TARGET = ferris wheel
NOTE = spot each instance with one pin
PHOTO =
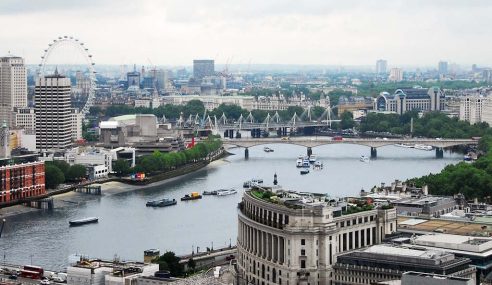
(84, 51)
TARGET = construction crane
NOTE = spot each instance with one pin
(1, 228)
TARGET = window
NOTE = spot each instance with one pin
(303, 252)
(303, 264)
(303, 242)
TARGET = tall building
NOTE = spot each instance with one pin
(202, 68)
(287, 237)
(381, 66)
(396, 75)
(472, 107)
(443, 67)
(13, 87)
(52, 108)
(76, 124)
(25, 118)
(133, 77)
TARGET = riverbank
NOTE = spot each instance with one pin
(113, 186)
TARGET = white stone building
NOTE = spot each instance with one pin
(294, 238)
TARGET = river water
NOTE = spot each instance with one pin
(127, 227)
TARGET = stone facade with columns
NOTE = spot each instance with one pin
(292, 238)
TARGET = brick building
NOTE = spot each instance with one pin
(19, 181)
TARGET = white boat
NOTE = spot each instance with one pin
(318, 165)
(423, 147)
(299, 162)
(267, 149)
(225, 192)
(404, 145)
(364, 158)
(305, 163)
(312, 158)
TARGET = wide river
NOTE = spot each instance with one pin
(127, 227)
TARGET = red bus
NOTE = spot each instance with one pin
(31, 271)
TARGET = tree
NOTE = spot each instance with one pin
(53, 176)
(61, 165)
(194, 107)
(169, 261)
(121, 167)
(347, 121)
(191, 264)
(76, 172)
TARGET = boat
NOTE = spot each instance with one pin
(192, 196)
(467, 157)
(83, 221)
(161, 203)
(214, 192)
(305, 163)
(225, 192)
(318, 165)
(252, 182)
(257, 180)
(299, 161)
(423, 147)
(364, 158)
(267, 149)
(304, 171)
(404, 145)
(312, 158)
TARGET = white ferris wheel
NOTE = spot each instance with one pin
(84, 52)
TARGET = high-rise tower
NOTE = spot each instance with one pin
(13, 87)
(53, 114)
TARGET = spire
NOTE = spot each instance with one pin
(56, 71)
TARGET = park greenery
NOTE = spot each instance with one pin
(473, 180)
(58, 172)
(431, 125)
(158, 162)
(170, 262)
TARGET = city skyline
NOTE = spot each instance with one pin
(419, 33)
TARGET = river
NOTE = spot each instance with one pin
(127, 227)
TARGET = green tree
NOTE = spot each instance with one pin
(121, 167)
(169, 261)
(76, 172)
(347, 121)
(53, 176)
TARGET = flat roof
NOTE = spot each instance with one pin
(403, 251)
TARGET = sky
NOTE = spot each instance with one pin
(321, 32)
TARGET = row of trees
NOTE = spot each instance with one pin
(58, 172)
(159, 162)
(432, 124)
(472, 180)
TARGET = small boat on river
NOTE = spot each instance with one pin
(80, 222)
(364, 158)
(226, 192)
(304, 171)
(161, 203)
(213, 192)
(267, 149)
(192, 196)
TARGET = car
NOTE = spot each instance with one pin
(13, 276)
(45, 281)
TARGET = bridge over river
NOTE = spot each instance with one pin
(373, 143)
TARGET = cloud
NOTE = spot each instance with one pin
(172, 32)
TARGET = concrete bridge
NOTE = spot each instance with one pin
(373, 143)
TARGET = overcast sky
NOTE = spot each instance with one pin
(327, 32)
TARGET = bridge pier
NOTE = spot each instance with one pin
(309, 151)
(246, 153)
(374, 153)
(238, 134)
(439, 152)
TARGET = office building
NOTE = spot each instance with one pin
(53, 116)
(396, 75)
(443, 67)
(22, 180)
(203, 68)
(381, 66)
(287, 237)
(386, 262)
(419, 278)
(408, 99)
(76, 124)
(13, 87)
(133, 78)
(472, 107)
(25, 118)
